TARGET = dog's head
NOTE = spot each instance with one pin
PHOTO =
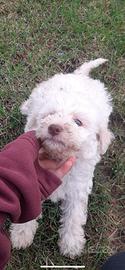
(68, 111)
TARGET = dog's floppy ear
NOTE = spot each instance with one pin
(105, 136)
(31, 124)
(31, 119)
(25, 107)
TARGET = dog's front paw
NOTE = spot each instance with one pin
(71, 245)
(22, 234)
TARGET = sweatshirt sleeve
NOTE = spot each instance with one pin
(23, 184)
(5, 245)
(18, 179)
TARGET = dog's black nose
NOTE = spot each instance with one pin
(54, 129)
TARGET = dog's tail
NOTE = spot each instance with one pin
(86, 68)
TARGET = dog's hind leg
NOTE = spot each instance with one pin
(22, 234)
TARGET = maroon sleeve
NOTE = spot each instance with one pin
(5, 245)
(19, 188)
(23, 184)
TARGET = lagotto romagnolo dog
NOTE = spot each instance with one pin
(70, 113)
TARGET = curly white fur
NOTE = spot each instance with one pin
(64, 100)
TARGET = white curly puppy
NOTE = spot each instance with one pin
(70, 113)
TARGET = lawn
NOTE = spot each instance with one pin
(38, 39)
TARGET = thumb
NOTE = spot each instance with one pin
(65, 167)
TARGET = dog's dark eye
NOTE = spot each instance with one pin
(78, 122)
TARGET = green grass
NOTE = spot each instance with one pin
(38, 39)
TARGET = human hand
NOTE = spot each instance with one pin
(59, 169)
